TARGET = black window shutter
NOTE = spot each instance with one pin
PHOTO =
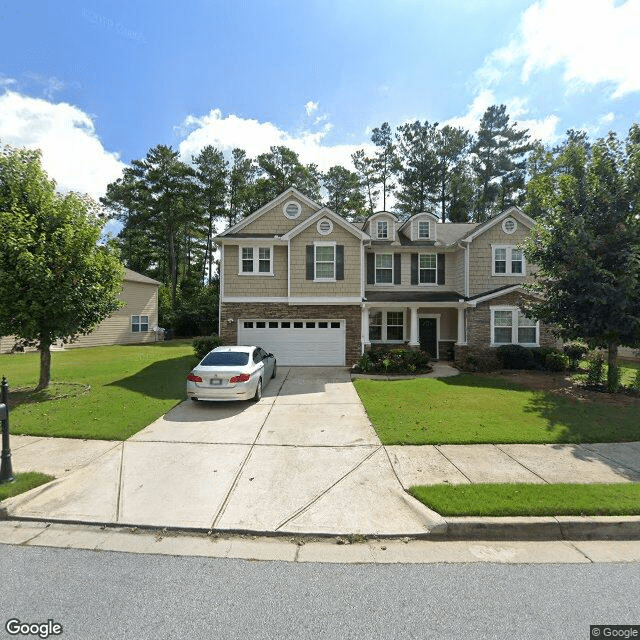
(310, 258)
(340, 262)
(441, 257)
(397, 266)
(414, 268)
(371, 268)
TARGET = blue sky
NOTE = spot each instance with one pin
(96, 84)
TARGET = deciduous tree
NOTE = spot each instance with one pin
(587, 242)
(56, 281)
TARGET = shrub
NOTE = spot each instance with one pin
(202, 346)
(595, 370)
(539, 355)
(514, 356)
(575, 352)
(555, 361)
(635, 385)
(394, 361)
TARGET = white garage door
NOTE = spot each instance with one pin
(297, 342)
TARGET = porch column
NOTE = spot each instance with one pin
(413, 330)
(462, 338)
(365, 327)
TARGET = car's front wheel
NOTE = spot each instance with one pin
(273, 375)
(258, 390)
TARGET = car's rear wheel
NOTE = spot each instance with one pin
(258, 390)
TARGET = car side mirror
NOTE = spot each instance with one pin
(270, 355)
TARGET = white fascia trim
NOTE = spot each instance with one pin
(322, 213)
(495, 294)
(277, 200)
(256, 299)
(288, 269)
(326, 300)
(418, 305)
(293, 301)
(511, 211)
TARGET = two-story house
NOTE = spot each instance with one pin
(315, 289)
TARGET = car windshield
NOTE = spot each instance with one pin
(225, 359)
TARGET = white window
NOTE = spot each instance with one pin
(386, 326)
(256, 261)
(325, 262)
(383, 229)
(507, 261)
(139, 324)
(428, 268)
(510, 326)
(384, 268)
(375, 326)
(423, 229)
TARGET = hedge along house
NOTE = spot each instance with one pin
(315, 289)
(136, 322)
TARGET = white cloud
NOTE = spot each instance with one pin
(595, 41)
(471, 120)
(255, 137)
(310, 107)
(544, 129)
(72, 153)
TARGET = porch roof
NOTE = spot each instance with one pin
(412, 296)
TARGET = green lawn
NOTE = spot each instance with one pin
(469, 409)
(105, 393)
(24, 482)
(531, 499)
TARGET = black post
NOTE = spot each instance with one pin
(6, 472)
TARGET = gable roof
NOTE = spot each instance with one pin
(485, 226)
(291, 191)
(134, 276)
(325, 212)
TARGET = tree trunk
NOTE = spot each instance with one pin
(45, 366)
(611, 366)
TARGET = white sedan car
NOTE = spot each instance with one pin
(231, 373)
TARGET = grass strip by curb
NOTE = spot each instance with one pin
(621, 499)
(24, 482)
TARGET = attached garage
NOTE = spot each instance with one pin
(302, 342)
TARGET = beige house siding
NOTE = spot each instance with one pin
(480, 259)
(350, 286)
(275, 222)
(139, 298)
(250, 285)
(450, 273)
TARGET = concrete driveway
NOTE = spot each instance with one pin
(304, 459)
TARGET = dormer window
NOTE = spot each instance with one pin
(383, 230)
(423, 229)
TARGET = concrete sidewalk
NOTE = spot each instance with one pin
(304, 460)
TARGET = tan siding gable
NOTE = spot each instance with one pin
(348, 287)
(274, 221)
(250, 285)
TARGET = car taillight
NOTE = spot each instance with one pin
(243, 377)
(192, 377)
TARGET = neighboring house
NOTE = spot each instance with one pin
(304, 283)
(136, 322)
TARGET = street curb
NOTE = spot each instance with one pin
(461, 529)
(546, 528)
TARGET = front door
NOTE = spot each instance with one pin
(428, 336)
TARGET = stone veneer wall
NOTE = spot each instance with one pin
(281, 311)
(479, 333)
